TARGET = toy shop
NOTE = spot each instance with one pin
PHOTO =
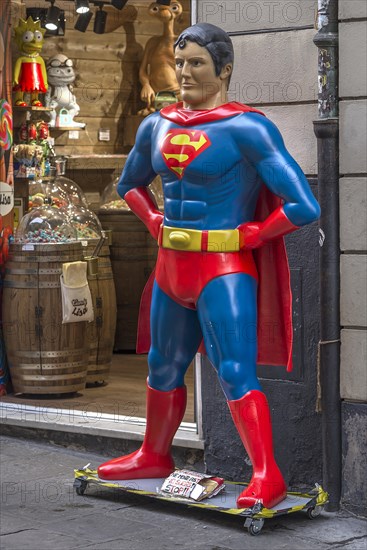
(79, 78)
(182, 239)
(129, 314)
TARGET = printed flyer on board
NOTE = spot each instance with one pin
(192, 485)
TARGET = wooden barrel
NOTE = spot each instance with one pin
(44, 355)
(133, 257)
(101, 332)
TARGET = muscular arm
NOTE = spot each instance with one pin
(265, 149)
(137, 174)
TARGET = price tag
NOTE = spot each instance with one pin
(104, 134)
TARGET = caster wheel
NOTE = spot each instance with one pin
(80, 490)
(254, 527)
(313, 512)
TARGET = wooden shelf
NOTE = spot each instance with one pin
(100, 162)
(66, 128)
(30, 108)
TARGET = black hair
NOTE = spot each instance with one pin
(214, 39)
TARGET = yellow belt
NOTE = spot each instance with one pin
(193, 240)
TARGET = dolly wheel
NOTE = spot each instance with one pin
(80, 490)
(255, 526)
(314, 512)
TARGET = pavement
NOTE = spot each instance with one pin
(40, 510)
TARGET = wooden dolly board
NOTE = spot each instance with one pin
(312, 502)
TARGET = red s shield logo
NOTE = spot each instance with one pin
(180, 147)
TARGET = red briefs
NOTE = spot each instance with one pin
(182, 275)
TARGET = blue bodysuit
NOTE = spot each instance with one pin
(213, 167)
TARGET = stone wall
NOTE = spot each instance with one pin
(353, 244)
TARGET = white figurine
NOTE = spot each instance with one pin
(59, 96)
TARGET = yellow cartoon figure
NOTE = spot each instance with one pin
(30, 74)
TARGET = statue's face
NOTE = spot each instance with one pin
(196, 76)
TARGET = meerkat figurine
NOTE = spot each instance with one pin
(157, 70)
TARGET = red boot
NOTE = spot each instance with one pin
(165, 411)
(251, 416)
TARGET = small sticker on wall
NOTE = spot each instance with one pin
(322, 237)
(73, 134)
(104, 134)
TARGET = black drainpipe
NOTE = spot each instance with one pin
(327, 132)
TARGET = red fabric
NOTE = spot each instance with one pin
(275, 330)
(183, 275)
(187, 117)
(31, 78)
(274, 298)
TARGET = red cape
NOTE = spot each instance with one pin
(274, 299)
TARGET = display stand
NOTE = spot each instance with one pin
(311, 502)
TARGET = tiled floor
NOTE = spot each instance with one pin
(123, 395)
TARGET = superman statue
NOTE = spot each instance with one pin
(231, 192)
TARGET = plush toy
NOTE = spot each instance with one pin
(157, 70)
(34, 152)
(60, 97)
(30, 71)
